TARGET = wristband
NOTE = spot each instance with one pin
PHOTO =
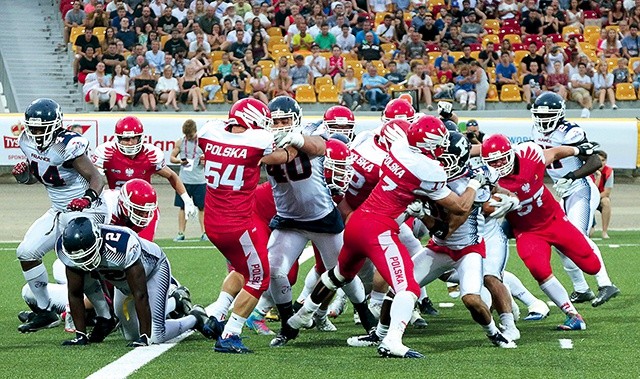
(571, 175)
(91, 195)
(474, 184)
(287, 151)
(576, 151)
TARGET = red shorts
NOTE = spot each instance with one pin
(246, 251)
(534, 248)
(149, 232)
(457, 254)
(366, 236)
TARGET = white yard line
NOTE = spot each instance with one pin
(135, 359)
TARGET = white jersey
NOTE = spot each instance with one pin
(121, 249)
(299, 188)
(567, 133)
(470, 232)
(53, 167)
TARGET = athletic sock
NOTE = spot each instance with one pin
(38, 279)
(506, 319)
(234, 326)
(221, 306)
(401, 310)
(491, 328)
(376, 297)
(575, 274)
(558, 295)
(602, 277)
(518, 290)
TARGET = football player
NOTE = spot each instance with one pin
(580, 196)
(56, 158)
(128, 157)
(410, 169)
(540, 223)
(137, 268)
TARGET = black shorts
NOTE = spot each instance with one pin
(241, 95)
(196, 191)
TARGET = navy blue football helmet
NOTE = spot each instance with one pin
(81, 242)
(547, 112)
(456, 155)
(43, 121)
(285, 107)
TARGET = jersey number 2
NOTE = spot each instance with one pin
(50, 177)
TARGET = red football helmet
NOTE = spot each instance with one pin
(129, 127)
(398, 109)
(391, 131)
(339, 119)
(137, 202)
(428, 136)
(498, 153)
(251, 114)
(338, 171)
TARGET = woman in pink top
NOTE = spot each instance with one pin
(337, 66)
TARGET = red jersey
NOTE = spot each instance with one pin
(119, 168)
(367, 158)
(605, 174)
(265, 206)
(538, 206)
(232, 172)
(404, 175)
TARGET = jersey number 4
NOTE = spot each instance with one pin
(297, 169)
(51, 176)
(232, 175)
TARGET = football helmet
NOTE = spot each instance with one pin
(456, 155)
(428, 135)
(129, 127)
(547, 112)
(81, 242)
(339, 119)
(338, 169)
(391, 131)
(251, 114)
(43, 121)
(284, 107)
(497, 150)
(398, 109)
(137, 202)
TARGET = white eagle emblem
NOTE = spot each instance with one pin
(526, 187)
(129, 172)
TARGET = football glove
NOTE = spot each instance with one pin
(190, 209)
(84, 202)
(416, 209)
(562, 186)
(293, 139)
(104, 327)
(482, 174)
(21, 172)
(505, 205)
(80, 340)
(588, 148)
(142, 341)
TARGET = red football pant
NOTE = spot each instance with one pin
(246, 251)
(150, 231)
(367, 236)
(534, 248)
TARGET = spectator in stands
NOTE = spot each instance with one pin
(126, 34)
(337, 17)
(415, 48)
(248, 62)
(90, 6)
(167, 89)
(533, 56)
(421, 82)
(550, 23)
(366, 28)
(571, 68)
(316, 23)
(557, 80)
(193, 34)
(156, 6)
(554, 54)
(145, 85)
(445, 73)
(603, 179)
(300, 73)
(369, 50)
(393, 75)
(443, 22)
(239, 47)
(111, 58)
(631, 43)
(386, 31)
(120, 84)
(429, 31)
(325, 40)
(473, 133)
(581, 86)
(198, 7)
(155, 56)
(403, 66)
(235, 83)
(603, 86)
(375, 88)
(634, 15)
(575, 15)
(617, 13)
(281, 85)
(421, 18)
(488, 57)
(109, 36)
(97, 18)
(87, 64)
(72, 19)
(147, 39)
(444, 56)
(258, 47)
(217, 39)
(466, 58)
(377, 6)
(508, 9)
(399, 26)
(180, 63)
(531, 25)
(481, 81)
(505, 71)
(179, 11)
(621, 73)
(302, 41)
(121, 13)
(233, 36)
(255, 13)
(97, 88)
(337, 64)
(505, 47)
(230, 14)
(472, 31)
(207, 21)
(112, 8)
(167, 22)
(132, 59)
(350, 90)
(453, 39)
(346, 40)
(120, 48)
(612, 45)
(242, 8)
(260, 85)
(143, 20)
(282, 62)
(199, 43)
(82, 42)
(465, 90)
(532, 84)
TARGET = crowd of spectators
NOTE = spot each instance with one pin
(469, 51)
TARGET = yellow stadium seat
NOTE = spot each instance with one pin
(513, 38)
(279, 49)
(625, 91)
(358, 72)
(388, 47)
(275, 41)
(492, 94)
(612, 63)
(353, 64)
(267, 66)
(321, 82)
(592, 38)
(274, 32)
(591, 29)
(568, 30)
(378, 64)
(396, 87)
(212, 80)
(518, 55)
(164, 40)
(632, 61)
(433, 3)
(305, 94)
(99, 31)
(510, 93)
(593, 57)
(493, 24)
(215, 65)
(456, 54)
(328, 93)
(490, 38)
(491, 71)
(326, 55)
(75, 32)
(216, 55)
(433, 55)
(475, 55)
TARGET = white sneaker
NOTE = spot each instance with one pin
(512, 334)
(396, 349)
(371, 339)
(301, 319)
(338, 305)
(375, 309)
(323, 324)
(537, 311)
(501, 341)
(416, 319)
(585, 113)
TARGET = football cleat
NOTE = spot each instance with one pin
(273, 315)
(512, 334)
(209, 327)
(104, 327)
(323, 324)
(24, 316)
(605, 294)
(397, 350)
(416, 319)
(427, 308)
(454, 291)
(301, 320)
(179, 237)
(233, 345)
(182, 297)
(573, 322)
(537, 311)
(500, 340)
(285, 335)
(256, 322)
(41, 319)
(371, 339)
(375, 309)
(338, 305)
(582, 297)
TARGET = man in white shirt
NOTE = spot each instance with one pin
(230, 13)
(336, 30)
(155, 56)
(232, 36)
(179, 11)
(581, 90)
(191, 36)
(316, 62)
(255, 12)
(385, 31)
(315, 29)
(157, 6)
(199, 42)
(346, 40)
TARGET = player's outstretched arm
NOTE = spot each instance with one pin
(137, 281)
(555, 153)
(75, 293)
(83, 165)
(592, 163)
(280, 156)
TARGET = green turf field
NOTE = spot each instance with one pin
(454, 346)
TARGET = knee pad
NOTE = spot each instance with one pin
(331, 280)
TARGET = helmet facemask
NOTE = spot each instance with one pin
(507, 158)
(139, 215)
(546, 119)
(338, 173)
(42, 132)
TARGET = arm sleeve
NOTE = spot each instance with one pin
(76, 147)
